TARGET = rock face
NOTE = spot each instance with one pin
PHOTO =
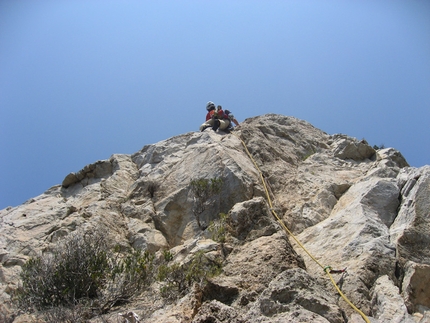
(350, 206)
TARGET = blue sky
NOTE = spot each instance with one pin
(81, 80)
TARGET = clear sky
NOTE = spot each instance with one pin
(84, 79)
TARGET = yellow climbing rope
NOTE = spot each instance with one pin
(326, 269)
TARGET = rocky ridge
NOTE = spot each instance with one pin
(351, 206)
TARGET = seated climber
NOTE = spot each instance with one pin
(211, 116)
(218, 119)
(225, 122)
(210, 107)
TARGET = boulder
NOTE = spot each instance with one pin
(345, 147)
(410, 230)
(388, 305)
(415, 287)
(294, 295)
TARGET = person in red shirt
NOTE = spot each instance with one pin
(217, 118)
(210, 107)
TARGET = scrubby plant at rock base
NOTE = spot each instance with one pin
(83, 270)
(218, 228)
(178, 279)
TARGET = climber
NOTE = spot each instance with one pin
(212, 115)
(218, 119)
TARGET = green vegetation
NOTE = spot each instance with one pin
(167, 255)
(83, 277)
(309, 152)
(204, 191)
(75, 270)
(218, 229)
(178, 279)
(83, 271)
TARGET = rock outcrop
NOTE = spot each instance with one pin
(351, 206)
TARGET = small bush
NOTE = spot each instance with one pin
(126, 278)
(83, 271)
(178, 279)
(75, 270)
(218, 229)
(83, 277)
(74, 314)
(204, 190)
(167, 255)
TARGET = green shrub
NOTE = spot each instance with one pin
(218, 229)
(83, 277)
(178, 279)
(167, 255)
(127, 277)
(83, 270)
(74, 270)
(204, 190)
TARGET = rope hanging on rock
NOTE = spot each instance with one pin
(327, 269)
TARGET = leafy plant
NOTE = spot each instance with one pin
(83, 271)
(178, 279)
(127, 276)
(218, 229)
(76, 269)
(167, 255)
(204, 191)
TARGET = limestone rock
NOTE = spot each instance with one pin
(254, 264)
(415, 287)
(293, 295)
(345, 147)
(350, 206)
(392, 157)
(251, 219)
(89, 174)
(388, 305)
(218, 312)
(411, 228)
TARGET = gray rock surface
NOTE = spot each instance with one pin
(351, 206)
